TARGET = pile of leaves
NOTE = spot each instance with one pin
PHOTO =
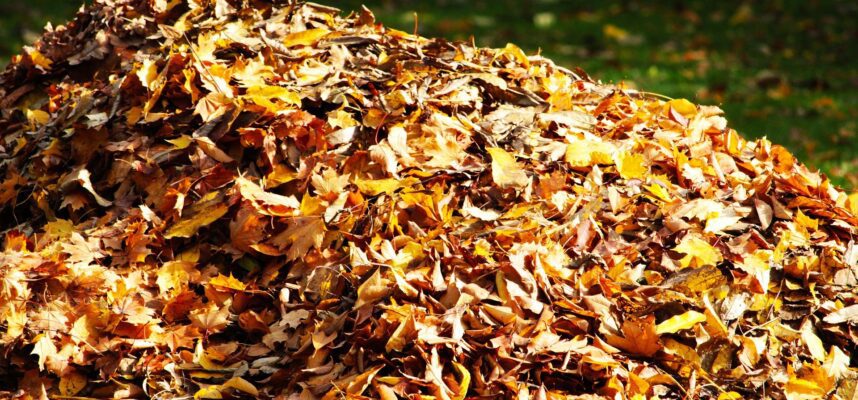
(240, 199)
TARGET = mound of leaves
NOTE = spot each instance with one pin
(239, 199)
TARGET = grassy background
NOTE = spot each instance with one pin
(785, 69)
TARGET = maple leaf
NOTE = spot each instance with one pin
(697, 251)
(631, 165)
(639, 337)
(227, 282)
(44, 348)
(374, 288)
(302, 233)
(211, 318)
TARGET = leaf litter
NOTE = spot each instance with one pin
(238, 199)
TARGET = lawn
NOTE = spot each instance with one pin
(784, 69)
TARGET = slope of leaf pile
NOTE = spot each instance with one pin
(240, 199)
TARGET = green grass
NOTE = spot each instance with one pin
(783, 69)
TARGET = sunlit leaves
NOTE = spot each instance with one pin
(280, 201)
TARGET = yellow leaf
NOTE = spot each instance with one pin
(374, 187)
(631, 166)
(148, 74)
(301, 234)
(263, 95)
(211, 317)
(806, 222)
(465, 382)
(730, 396)
(814, 343)
(659, 192)
(279, 175)
(175, 275)
(758, 265)
(181, 142)
(241, 385)
(482, 248)
(683, 106)
(697, 251)
(16, 321)
(716, 224)
(516, 53)
(210, 148)
(305, 38)
(82, 176)
(44, 348)
(71, 384)
(402, 336)
(359, 384)
(853, 203)
(37, 117)
(228, 282)
(188, 226)
(679, 322)
(211, 392)
(686, 353)
(40, 60)
(714, 325)
(505, 170)
(373, 289)
(587, 152)
(803, 389)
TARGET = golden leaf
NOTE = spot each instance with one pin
(307, 37)
(241, 385)
(589, 152)
(44, 348)
(505, 170)
(263, 96)
(302, 233)
(677, 323)
(188, 226)
(372, 289)
(227, 282)
(698, 252)
(639, 337)
(631, 166)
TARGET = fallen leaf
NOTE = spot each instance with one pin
(505, 170)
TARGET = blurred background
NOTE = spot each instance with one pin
(786, 69)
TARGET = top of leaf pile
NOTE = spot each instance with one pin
(230, 198)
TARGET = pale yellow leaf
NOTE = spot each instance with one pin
(44, 348)
(373, 289)
(505, 170)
